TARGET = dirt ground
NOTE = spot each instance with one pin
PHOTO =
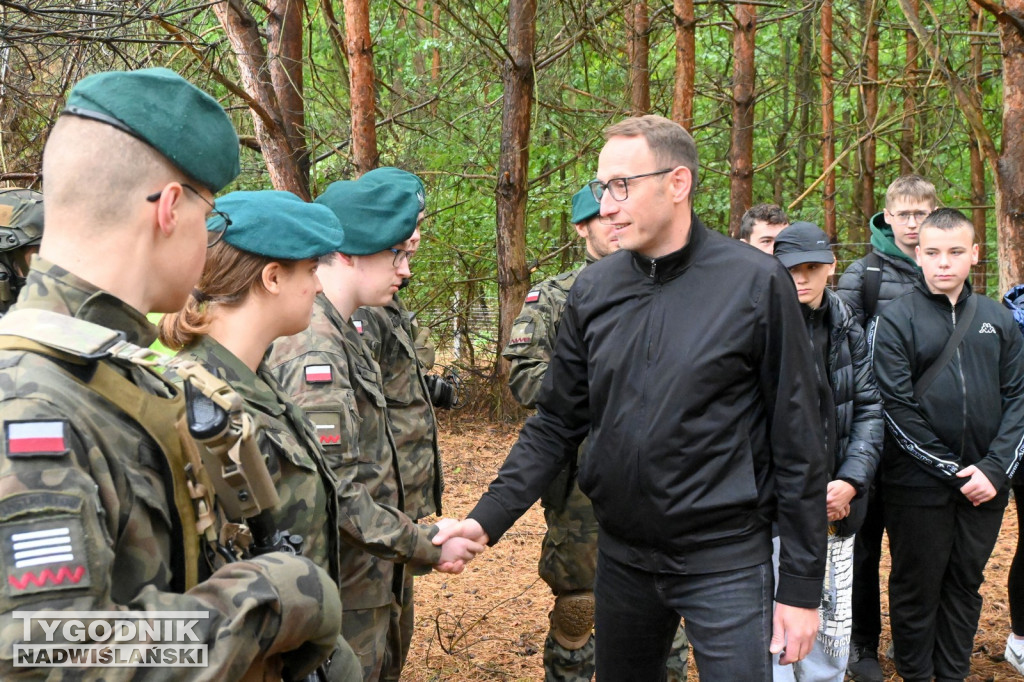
(489, 623)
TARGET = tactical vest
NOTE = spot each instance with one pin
(70, 341)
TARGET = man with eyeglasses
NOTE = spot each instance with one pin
(697, 398)
(331, 373)
(101, 509)
(869, 285)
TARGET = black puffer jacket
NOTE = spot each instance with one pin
(898, 273)
(858, 408)
(973, 413)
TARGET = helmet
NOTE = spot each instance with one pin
(21, 225)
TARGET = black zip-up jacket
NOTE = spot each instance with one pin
(693, 375)
(858, 407)
(973, 413)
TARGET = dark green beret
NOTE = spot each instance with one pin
(278, 225)
(378, 210)
(168, 113)
(584, 206)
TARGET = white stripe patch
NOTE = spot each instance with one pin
(17, 430)
(42, 547)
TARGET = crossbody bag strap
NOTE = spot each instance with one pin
(925, 382)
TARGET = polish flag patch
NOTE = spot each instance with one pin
(319, 374)
(358, 326)
(26, 438)
(533, 296)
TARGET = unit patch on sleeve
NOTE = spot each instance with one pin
(319, 374)
(328, 427)
(522, 333)
(43, 556)
(36, 438)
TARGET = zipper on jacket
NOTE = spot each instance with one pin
(963, 392)
(654, 267)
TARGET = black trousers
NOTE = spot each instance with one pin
(867, 553)
(938, 554)
(1015, 582)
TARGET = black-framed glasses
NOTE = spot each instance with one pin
(400, 255)
(619, 187)
(217, 222)
(903, 217)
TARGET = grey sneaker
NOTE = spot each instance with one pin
(1014, 655)
(863, 664)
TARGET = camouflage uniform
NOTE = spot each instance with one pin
(21, 226)
(390, 334)
(102, 479)
(330, 373)
(568, 558)
(305, 484)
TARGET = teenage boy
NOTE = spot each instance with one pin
(868, 285)
(950, 368)
(760, 225)
(851, 414)
(332, 375)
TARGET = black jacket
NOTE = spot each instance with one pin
(692, 373)
(973, 413)
(858, 408)
(898, 273)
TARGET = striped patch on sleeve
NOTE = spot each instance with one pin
(318, 374)
(33, 438)
(533, 296)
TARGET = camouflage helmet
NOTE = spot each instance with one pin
(21, 218)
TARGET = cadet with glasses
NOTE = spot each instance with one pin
(95, 447)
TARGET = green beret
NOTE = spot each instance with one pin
(378, 210)
(277, 224)
(168, 113)
(584, 206)
(21, 218)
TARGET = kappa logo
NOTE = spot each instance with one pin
(987, 328)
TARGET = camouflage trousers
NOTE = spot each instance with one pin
(344, 664)
(568, 563)
(400, 630)
(366, 631)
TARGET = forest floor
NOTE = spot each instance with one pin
(489, 623)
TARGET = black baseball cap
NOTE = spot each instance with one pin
(803, 242)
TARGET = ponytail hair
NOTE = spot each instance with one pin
(229, 277)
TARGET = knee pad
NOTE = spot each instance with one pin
(572, 619)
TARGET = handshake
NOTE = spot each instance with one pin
(460, 542)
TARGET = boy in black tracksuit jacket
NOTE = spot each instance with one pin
(960, 442)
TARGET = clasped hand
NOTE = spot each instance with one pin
(460, 542)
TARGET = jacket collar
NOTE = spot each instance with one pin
(942, 299)
(672, 265)
(256, 388)
(51, 287)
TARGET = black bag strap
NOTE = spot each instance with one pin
(872, 284)
(923, 384)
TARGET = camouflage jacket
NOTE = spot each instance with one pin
(388, 331)
(329, 372)
(75, 467)
(304, 482)
(533, 335)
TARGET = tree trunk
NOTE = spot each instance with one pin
(741, 185)
(828, 142)
(909, 107)
(639, 50)
(978, 196)
(858, 232)
(284, 53)
(686, 63)
(1010, 177)
(359, 48)
(511, 191)
(246, 42)
(805, 95)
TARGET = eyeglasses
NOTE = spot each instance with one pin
(903, 217)
(400, 255)
(619, 187)
(217, 222)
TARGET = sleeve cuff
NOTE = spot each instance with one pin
(801, 592)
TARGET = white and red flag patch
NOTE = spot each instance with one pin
(36, 437)
(358, 325)
(319, 374)
(533, 296)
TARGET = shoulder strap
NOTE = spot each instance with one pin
(926, 379)
(872, 284)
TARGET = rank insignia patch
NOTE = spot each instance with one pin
(32, 438)
(40, 557)
(328, 427)
(319, 374)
